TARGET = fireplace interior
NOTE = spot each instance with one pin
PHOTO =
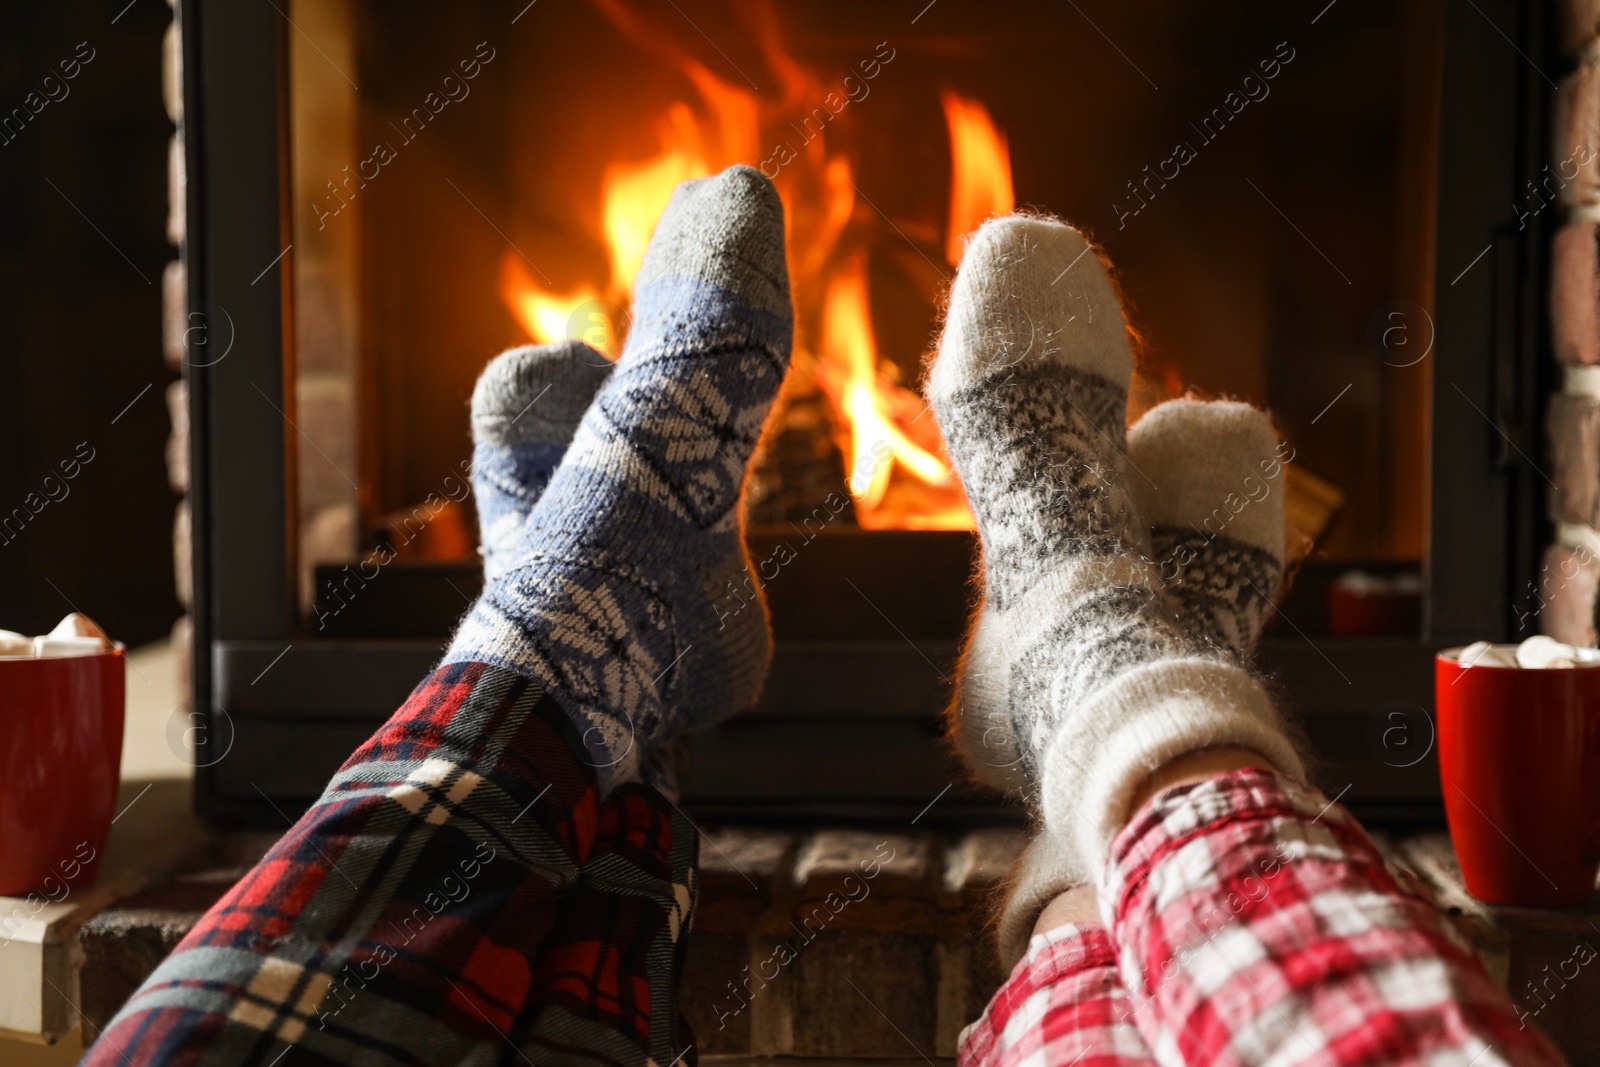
(455, 183)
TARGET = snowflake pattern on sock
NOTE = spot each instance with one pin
(610, 601)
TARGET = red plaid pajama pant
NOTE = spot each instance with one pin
(460, 894)
(1249, 921)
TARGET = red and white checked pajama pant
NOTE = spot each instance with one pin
(1250, 922)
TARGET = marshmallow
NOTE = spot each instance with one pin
(75, 635)
(76, 625)
(67, 646)
(1542, 652)
(1487, 654)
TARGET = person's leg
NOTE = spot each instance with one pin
(485, 880)
(1253, 922)
(1219, 577)
(1064, 1003)
(616, 602)
(1256, 922)
(1076, 639)
(1183, 457)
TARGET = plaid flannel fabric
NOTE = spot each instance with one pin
(1063, 1004)
(1257, 923)
(1253, 922)
(459, 894)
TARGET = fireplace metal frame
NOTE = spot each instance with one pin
(281, 709)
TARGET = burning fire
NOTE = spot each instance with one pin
(877, 443)
(980, 183)
(896, 473)
(633, 197)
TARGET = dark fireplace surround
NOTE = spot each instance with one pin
(867, 623)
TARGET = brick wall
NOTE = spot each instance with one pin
(1566, 591)
(177, 338)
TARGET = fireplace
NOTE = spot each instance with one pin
(384, 196)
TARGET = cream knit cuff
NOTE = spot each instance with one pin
(1043, 872)
(1137, 723)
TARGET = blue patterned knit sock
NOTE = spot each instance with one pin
(525, 409)
(616, 599)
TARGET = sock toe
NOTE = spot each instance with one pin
(536, 393)
(1206, 459)
(709, 346)
(722, 233)
(525, 409)
(1030, 289)
(1213, 490)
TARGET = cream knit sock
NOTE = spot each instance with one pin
(1099, 683)
(1209, 477)
(1043, 872)
(1215, 497)
(1030, 386)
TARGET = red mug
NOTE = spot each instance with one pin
(1519, 762)
(60, 764)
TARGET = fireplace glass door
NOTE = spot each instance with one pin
(469, 178)
(451, 181)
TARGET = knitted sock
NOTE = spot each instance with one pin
(1215, 497)
(1210, 479)
(611, 602)
(1100, 685)
(525, 409)
(1070, 441)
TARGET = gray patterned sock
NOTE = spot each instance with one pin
(525, 409)
(1211, 484)
(1209, 477)
(1038, 436)
(1075, 640)
(613, 601)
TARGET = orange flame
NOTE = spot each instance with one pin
(876, 442)
(980, 161)
(896, 474)
(633, 196)
(545, 316)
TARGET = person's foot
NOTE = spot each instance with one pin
(1209, 479)
(1208, 476)
(1030, 387)
(525, 409)
(1075, 640)
(615, 598)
